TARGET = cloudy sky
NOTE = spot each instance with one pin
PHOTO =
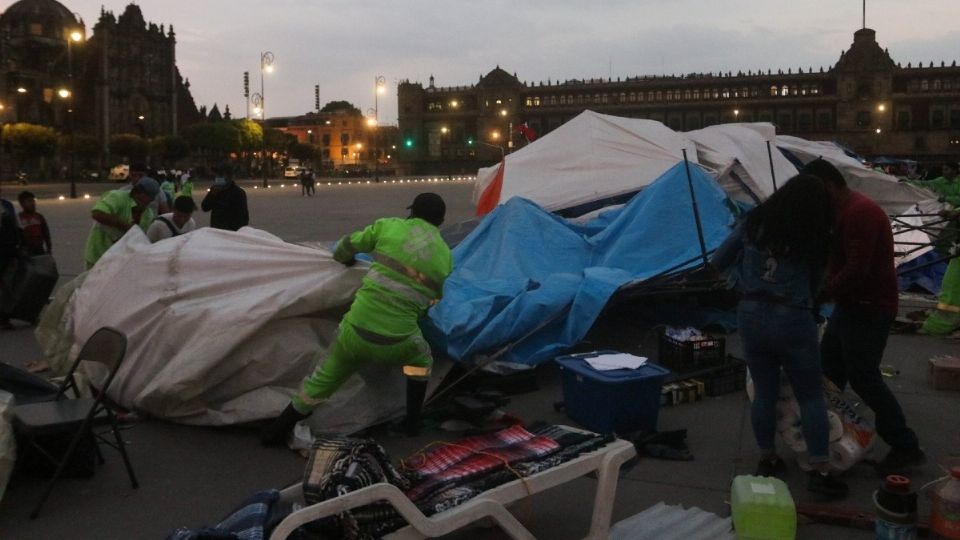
(344, 44)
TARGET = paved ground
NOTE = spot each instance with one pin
(193, 476)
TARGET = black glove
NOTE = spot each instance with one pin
(276, 432)
(416, 391)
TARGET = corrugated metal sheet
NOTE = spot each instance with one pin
(666, 522)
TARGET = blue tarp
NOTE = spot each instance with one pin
(526, 274)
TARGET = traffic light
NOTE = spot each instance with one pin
(246, 84)
(409, 142)
(316, 97)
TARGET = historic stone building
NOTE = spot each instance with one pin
(865, 101)
(121, 79)
(345, 139)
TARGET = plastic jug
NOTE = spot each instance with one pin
(945, 508)
(762, 509)
(896, 506)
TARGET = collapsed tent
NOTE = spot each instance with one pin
(593, 157)
(221, 326)
(530, 279)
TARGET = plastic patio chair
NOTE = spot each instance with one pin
(76, 416)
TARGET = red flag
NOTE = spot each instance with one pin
(528, 132)
(491, 194)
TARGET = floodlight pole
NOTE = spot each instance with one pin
(773, 175)
(696, 210)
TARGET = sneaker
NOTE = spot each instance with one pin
(771, 466)
(899, 459)
(827, 485)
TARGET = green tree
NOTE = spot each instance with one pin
(341, 105)
(171, 148)
(251, 135)
(30, 145)
(302, 151)
(129, 146)
(279, 141)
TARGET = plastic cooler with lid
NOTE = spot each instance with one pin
(762, 508)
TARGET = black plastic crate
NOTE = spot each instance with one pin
(687, 356)
(726, 379)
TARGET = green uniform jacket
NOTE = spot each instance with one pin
(946, 189)
(117, 203)
(411, 262)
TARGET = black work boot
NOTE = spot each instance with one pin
(416, 391)
(276, 432)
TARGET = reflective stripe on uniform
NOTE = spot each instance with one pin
(407, 292)
(416, 372)
(948, 308)
(411, 273)
(375, 338)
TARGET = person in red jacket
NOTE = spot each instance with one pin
(862, 282)
(36, 233)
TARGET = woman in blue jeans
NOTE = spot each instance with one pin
(777, 257)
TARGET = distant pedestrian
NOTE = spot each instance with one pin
(117, 212)
(227, 204)
(186, 184)
(10, 239)
(168, 187)
(778, 256)
(36, 233)
(862, 282)
(178, 222)
(311, 182)
(304, 188)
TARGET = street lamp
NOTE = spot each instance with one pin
(266, 66)
(75, 36)
(379, 87)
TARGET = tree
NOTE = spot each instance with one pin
(251, 135)
(129, 146)
(81, 150)
(30, 144)
(341, 105)
(302, 151)
(279, 141)
(170, 149)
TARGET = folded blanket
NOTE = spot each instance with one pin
(253, 520)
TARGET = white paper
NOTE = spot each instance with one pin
(608, 362)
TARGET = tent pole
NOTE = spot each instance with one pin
(696, 210)
(773, 175)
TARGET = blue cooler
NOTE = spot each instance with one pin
(621, 400)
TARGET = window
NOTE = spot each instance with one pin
(814, 90)
(863, 119)
(937, 84)
(726, 93)
(803, 90)
(686, 94)
(579, 99)
(669, 95)
(824, 121)
(563, 100)
(696, 94)
(937, 118)
(529, 102)
(744, 92)
(903, 119)
(606, 98)
(774, 91)
(536, 101)
(955, 118)
(784, 90)
(659, 95)
(344, 139)
(596, 98)
(623, 97)
(326, 139)
(754, 91)
(553, 100)
(715, 93)
(650, 95)
(640, 96)
(924, 85)
(633, 97)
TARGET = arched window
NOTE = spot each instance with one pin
(774, 91)
(924, 85)
(563, 99)
(716, 93)
(754, 91)
(784, 90)
(744, 92)
(650, 95)
(606, 98)
(686, 94)
(726, 93)
(623, 97)
(814, 90)
(669, 95)
(633, 97)
(553, 100)
(696, 93)
(659, 95)
(937, 85)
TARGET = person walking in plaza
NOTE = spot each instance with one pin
(36, 233)
(411, 261)
(169, 188)
(862, 282)
(311, 183)
(227, 204)
(178, 222)
(117, 212)
(186, 184)
(778, 256)
(11, 238)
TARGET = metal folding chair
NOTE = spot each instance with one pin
(77, 416)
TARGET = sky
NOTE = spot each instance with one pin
(343, 45)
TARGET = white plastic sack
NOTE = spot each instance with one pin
(221, 326)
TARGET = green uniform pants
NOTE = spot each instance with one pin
(349, 353)
(946, 318)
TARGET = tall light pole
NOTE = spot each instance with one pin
(379, 83)
(266, 66)
(75, 36)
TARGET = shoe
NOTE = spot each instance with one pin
(771, 467)
(277, 431)
(827, 485)
(899, 459)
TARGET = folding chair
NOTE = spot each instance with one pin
(76, 416)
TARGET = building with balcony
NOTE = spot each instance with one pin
(865, 101)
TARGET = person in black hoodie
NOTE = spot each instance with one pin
(227, 204)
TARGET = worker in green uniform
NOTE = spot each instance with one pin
(946, 318)
(117, 212)
(410, 263)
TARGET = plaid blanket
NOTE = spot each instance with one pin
(462, 461)
(253, 520)
(339, 465)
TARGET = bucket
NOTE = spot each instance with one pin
(896, 506)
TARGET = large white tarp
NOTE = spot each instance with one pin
(222, 326)
(592, 157)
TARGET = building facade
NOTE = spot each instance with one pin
(122, 78)
(865, 101)
(345, 139)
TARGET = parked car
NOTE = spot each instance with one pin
(119, 173)
(292, 172)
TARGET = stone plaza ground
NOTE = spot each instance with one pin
(192, 476)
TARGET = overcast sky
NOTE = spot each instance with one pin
(344, 44)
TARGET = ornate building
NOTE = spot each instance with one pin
(345, 139)
(122, 79)
(865, 101)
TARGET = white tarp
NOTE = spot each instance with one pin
(222, 326)
(739, 152)
(591, 157)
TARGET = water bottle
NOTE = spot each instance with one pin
(896, 507)
(945, 508)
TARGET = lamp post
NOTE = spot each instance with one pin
(379, 83)
(75, 36)
(266, 66)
